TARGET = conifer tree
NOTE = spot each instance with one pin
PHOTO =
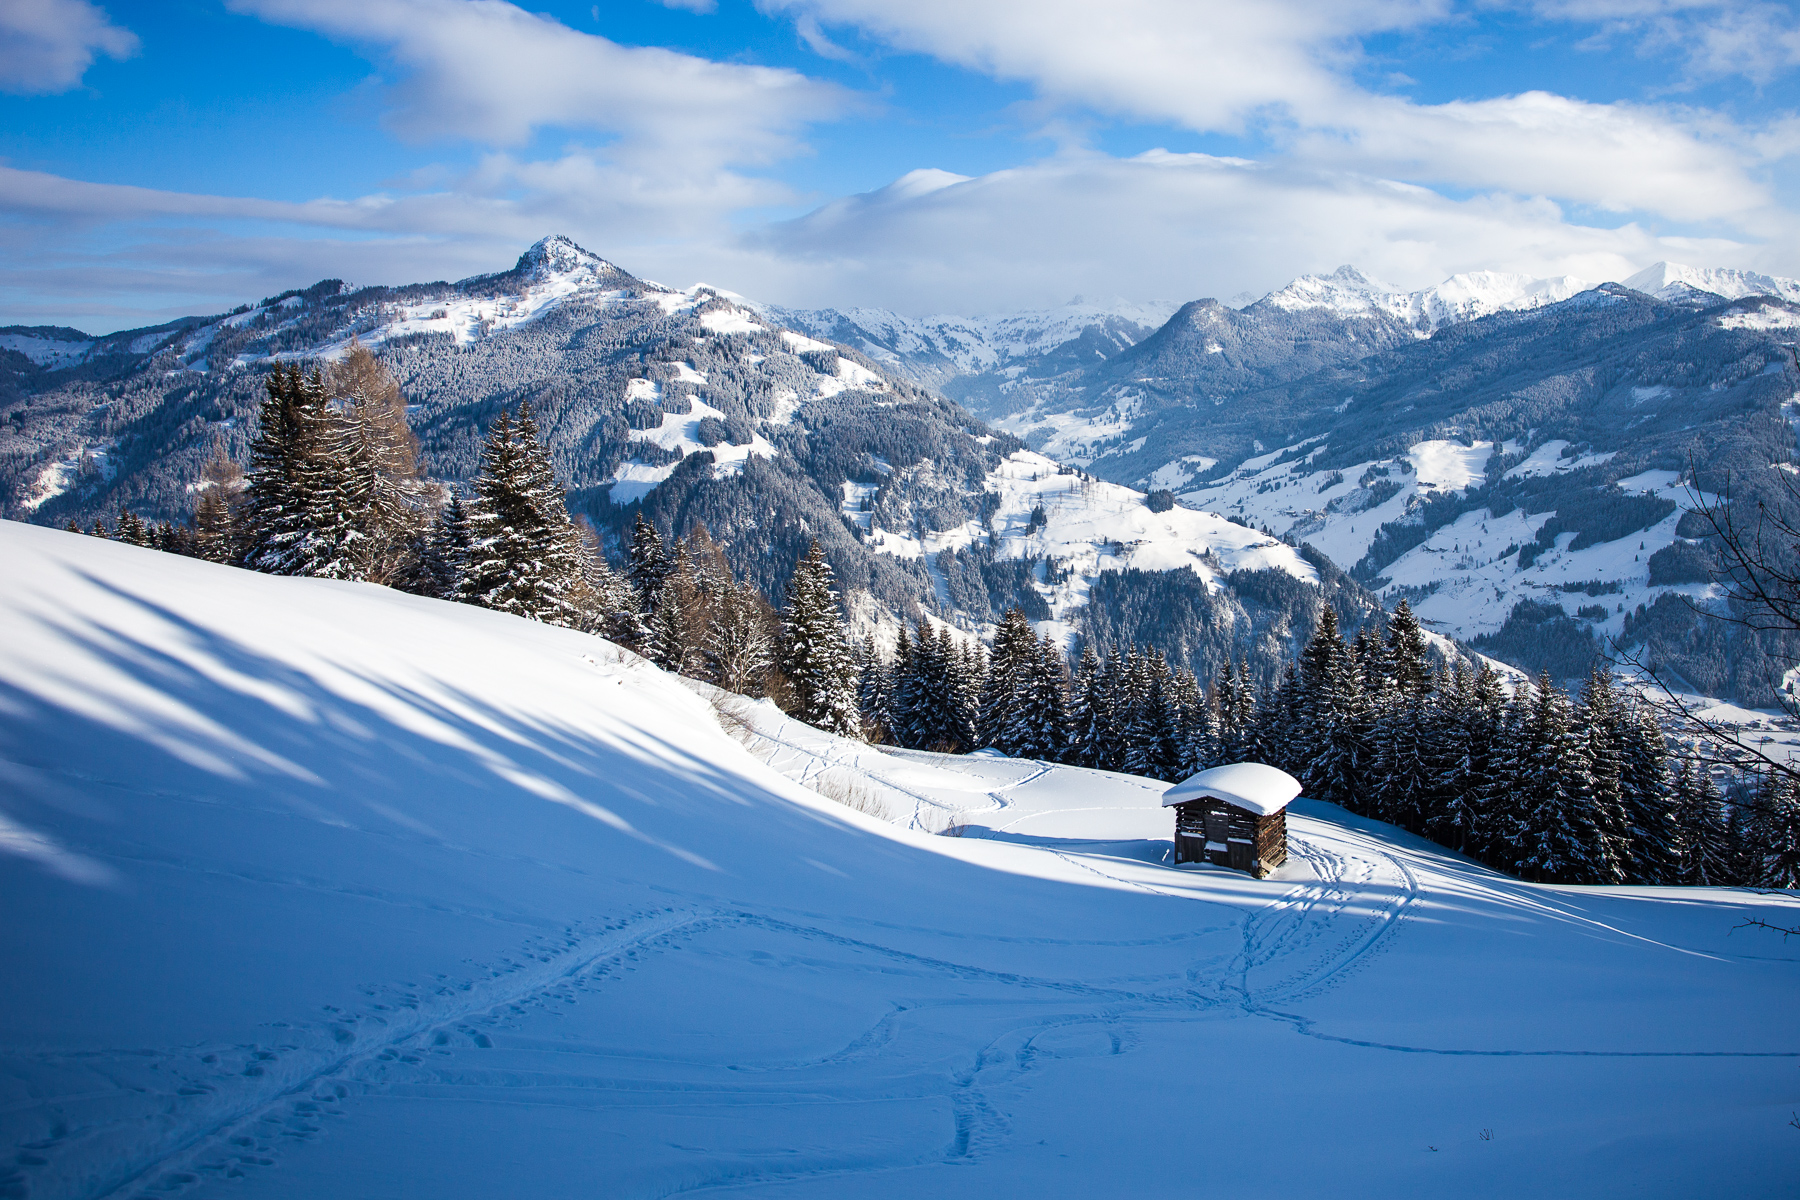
(1774, 831)
(649, 564)
(1706, 844)
(1331, 734)
(1552, 825)
(902, 692)
(1087, 711)
(1405, 660)
(132, 530)
(1652, 833)
(1039, 725)
(813, 652)
(525, 555)
(1015, 654)
(288, 476)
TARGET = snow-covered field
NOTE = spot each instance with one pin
(317, 890)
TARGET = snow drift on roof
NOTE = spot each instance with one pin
(1262, 789)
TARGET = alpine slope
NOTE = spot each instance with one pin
(316, 889)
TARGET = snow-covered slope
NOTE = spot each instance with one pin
(1081, 527)
(1466, 577)
(314, 889)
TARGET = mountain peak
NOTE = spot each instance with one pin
(560, 255)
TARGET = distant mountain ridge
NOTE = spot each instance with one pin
(688, 405)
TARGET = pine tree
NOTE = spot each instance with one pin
(1014, 656)
(525, 555)
(1774, 831)
(1552, 825)
(1087, 711)
(289, 471)
(1707, 847)
(132, 530)
(649, 563)
(1405, 660)
(1652, 832)
(813, 652)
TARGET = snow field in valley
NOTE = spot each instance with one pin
(315, 889)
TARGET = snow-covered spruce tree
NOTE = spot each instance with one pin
(1407, 667)
(1773, 832)
(1647, 794)
(813, 652)
(525, 555)
(1399, 783)
(1552, 824)
(283, 491)
(902, 690)
(444, 555)
(874, 692)
(1087, 711)
(1274, 736)
(1330, 737)
(1014, 656)
(1600, 724)
(1708, 851)
(131, 529)
(649, 563)
(971, 671)
(676, 621)
(1039, 727)
(1152, 747)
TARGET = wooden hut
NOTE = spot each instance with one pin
(1234, 816)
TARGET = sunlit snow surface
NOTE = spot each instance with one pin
(317, 890)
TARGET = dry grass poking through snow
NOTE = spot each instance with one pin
(833, 783)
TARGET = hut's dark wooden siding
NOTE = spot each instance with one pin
(1217, 831)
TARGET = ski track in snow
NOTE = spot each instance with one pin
(217, 1119)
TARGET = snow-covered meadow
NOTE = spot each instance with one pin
(316, 889)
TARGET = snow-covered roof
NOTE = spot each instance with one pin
(1262, 789)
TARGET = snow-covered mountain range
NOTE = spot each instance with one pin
(690, 405)
(1510, 452)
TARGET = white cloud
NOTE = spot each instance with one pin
(1175, 226)
(490, 72)
(1281, 67)
(47, 45)
(1716, 38)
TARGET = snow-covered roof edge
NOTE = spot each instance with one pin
(1262, 789)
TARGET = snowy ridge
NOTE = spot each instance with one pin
(1347, 292)
(339, 892)
(974, 345)
(1090, 527)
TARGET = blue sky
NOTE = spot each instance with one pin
(964, 156)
